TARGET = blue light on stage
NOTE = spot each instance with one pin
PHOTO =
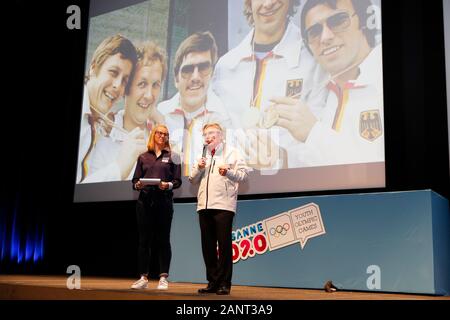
(29, 248)
(3, 240)
(19, 246)
(39, 246)
(15, 240)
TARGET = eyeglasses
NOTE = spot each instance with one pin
(204, 68)
(338, 22)
(210, 133)
(162, 134)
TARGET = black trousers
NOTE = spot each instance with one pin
(216, 227)
(154, 211)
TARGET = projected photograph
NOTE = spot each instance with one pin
(297, 86)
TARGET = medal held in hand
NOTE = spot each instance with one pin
(251, 118)
(270, 118)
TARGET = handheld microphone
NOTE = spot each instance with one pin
(205, 146)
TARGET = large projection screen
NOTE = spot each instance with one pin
(301, 100)
(446, 5)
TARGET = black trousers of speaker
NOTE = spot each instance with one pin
(216, 226)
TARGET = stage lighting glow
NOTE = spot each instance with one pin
(21, 247)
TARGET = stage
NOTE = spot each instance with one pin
(23, 287)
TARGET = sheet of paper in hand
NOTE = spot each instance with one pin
(150, 181)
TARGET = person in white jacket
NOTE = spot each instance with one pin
(218, 171)
(271, 61)
(110, 70)
(115, 155)
(351, 127)
(195, 104)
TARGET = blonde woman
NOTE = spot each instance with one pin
(154, 207)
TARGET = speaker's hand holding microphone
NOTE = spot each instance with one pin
(202, 161)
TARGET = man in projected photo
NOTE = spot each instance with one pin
(115, 156)
(271, 61)
(109, 72)
(351, 128)
(195, 103)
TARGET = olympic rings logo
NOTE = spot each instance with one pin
(280, 230)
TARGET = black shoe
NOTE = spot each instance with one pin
(223, 290)
(211, 288)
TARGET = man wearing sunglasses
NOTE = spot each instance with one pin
(195, 103)
(350, 130)
(271, 61)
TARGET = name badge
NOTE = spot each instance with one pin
(294, 87)
(166, 160)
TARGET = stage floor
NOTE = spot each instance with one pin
(14, 287)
